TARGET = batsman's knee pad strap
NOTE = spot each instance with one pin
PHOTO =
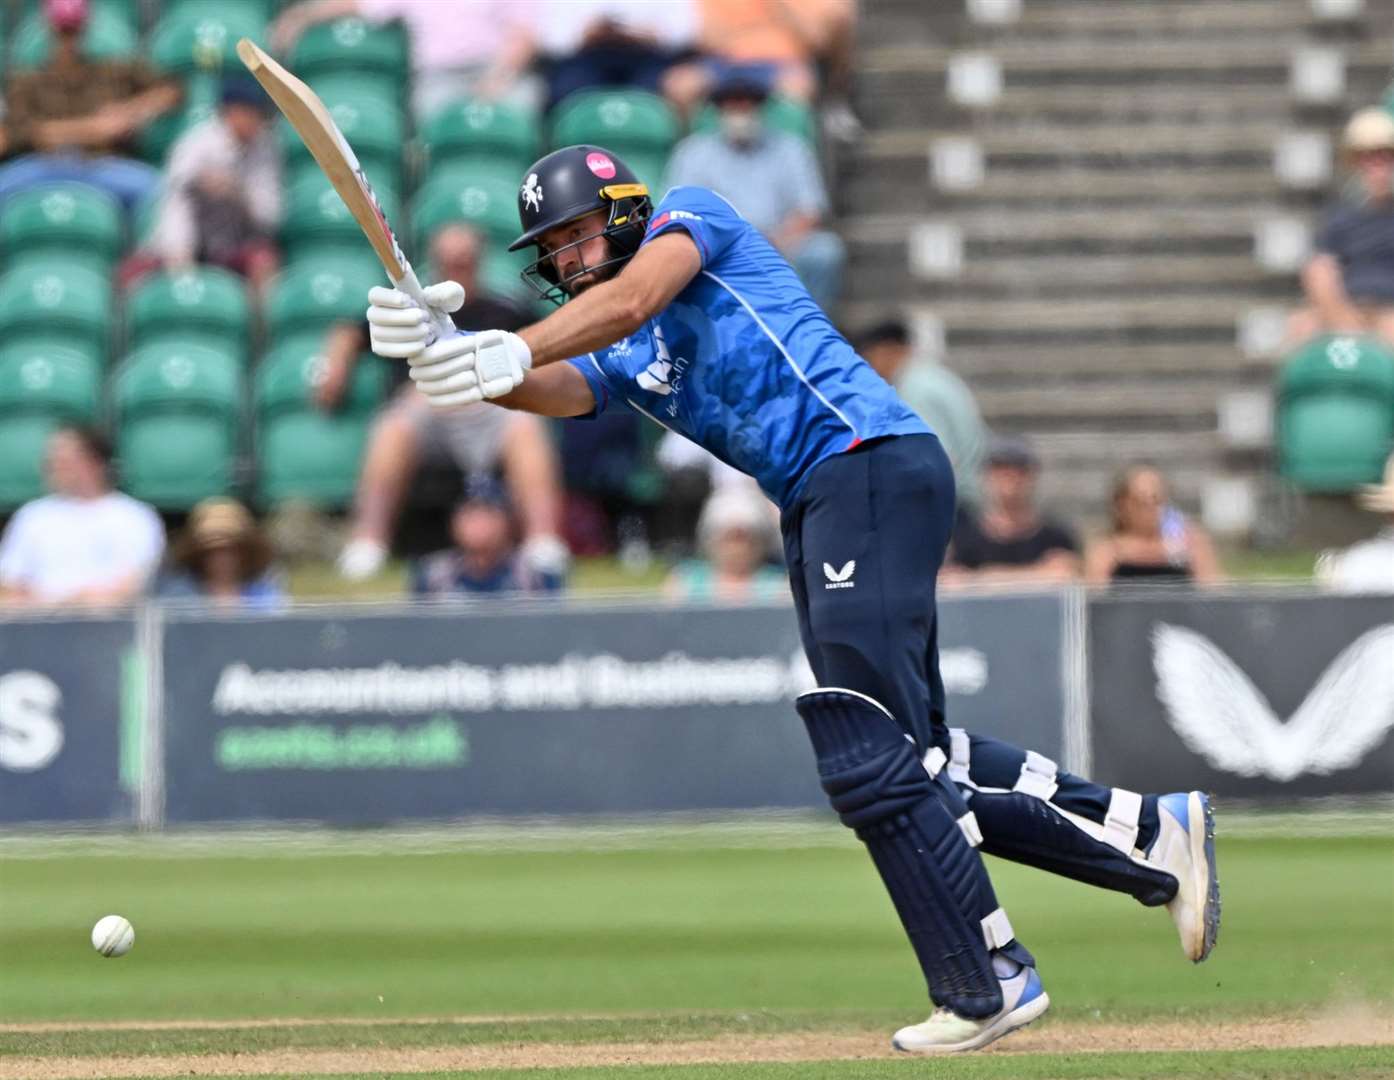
(881, 788)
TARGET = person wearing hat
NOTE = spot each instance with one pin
(735, 533)
(771, 178)
(1008, 540)
(223, 557)
(75, 117)
(485, 557)
(1349, 281)
(222, 202)
(1366, 567)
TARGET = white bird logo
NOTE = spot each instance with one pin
(1220, 715)
(532, 192)
(840, 575)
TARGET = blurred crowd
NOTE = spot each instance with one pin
(531, 494)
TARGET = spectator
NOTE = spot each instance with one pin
(224, 558)
(222, 199)
(84, 544)
(473, 50)
(941, 398)
(480, 438)
(485, 558)
(1008, 540)
(635, 43)
(771, 177)
(75, 116)
(735, 535)
(1367, 567)
(1349, 282)
(1149, 540)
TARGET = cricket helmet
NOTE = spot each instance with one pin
(568, 184)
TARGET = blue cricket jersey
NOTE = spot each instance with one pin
(743, 362)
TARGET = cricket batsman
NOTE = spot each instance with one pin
(686, 313)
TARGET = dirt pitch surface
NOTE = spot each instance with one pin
(1350, 1028)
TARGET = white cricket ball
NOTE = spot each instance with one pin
(113, 935)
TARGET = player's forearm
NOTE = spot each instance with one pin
(594, 320)
(1327, 291)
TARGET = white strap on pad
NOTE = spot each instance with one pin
(997, 930)
(1037, 777)
(1121, 823)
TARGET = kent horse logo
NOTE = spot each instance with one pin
(1220, 715)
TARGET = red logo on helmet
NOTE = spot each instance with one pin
(601, 165)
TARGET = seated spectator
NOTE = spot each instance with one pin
(1008, 540)
(486, 557)
(223, 557)
(474, 50)
(691, 476)
(1367, 567)
(771, 177)
(1150, 540)
(481, 439)
(735, 535)
(84, 544)
(222, 198)
(73, 118)
(1349, 282)
(629, 43)
(940, 398)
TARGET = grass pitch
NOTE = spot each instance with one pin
(651, 953)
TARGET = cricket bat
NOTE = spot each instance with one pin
(311, 120)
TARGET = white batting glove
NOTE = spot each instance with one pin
(397, 327)
(466, 368)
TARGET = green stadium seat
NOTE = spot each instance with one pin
(302, 451)
(316, 218)
(490, 204)
(204, 305)
(201, 92)
(56, 296)
(1335, 426)
(313, 293)
(109, 34)
(377, 56)
(41, 387)
(177, 410)
(486, 135)
(638, 126)
(779, 114)
(373, 125)
(73, 219)
(203, 36)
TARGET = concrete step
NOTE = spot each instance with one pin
(1084, 362)
(1112, 405)
(1047, 186)
(1126, 224)
(1091, 19)
(1113, 273)
(1120, 142)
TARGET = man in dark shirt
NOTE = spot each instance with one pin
(1008, 540)
(1349, 281)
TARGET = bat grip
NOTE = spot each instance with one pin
(441, 323)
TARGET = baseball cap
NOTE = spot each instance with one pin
(1012, 451)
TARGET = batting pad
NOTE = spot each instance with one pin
(882, 790)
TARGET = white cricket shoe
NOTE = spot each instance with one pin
(945, 1032)
(1185, 849)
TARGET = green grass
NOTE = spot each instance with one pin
(644, 931)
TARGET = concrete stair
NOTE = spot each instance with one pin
(1102, 259)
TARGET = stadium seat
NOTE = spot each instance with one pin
(40, 388)
(377, 56)
(316, 219)
(489, 136)
(303, 452)
(56, 296)
(109, 34)
(204, 305)
(311, 294)
(73, 219)
(490, 204)
(779, 114)
(202, 35)
(201, 92)
(1335, 423)
(177, 409)
(638, 126)
(373, 125)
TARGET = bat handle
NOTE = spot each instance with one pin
(441, 323)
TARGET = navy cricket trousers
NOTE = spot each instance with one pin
(863, 541)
